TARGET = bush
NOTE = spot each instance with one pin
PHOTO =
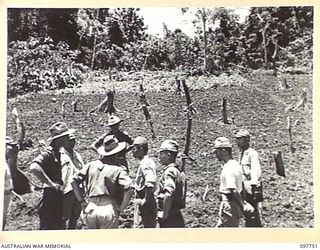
(36, 64)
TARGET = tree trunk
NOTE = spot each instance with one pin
(94, 43)
(204, 20)
(264, 42)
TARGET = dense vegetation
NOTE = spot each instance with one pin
(52, 48)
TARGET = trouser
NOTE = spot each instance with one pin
(147, 213)
(229, 217)
(50, 209)
(252, 219)
(104, 214)
(174, 220)
(6, 207)
(71, 210)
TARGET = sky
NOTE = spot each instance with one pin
(173, 18)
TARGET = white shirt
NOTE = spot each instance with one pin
(71, 164)
(249, 161)
(231, 177)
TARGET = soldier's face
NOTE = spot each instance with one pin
(242, 142)
(115, 127)
(165, 157)
(219, 154)
(137, 152)
(62, 141)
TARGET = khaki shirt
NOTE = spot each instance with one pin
(146, 174)
(104, 179)
(173, 182)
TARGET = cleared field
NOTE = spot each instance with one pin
(255, 102)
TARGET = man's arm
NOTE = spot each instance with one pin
(167, 203)
(79, 194)
(126, 198)
(125, 181)
(245, 206)
(38, 172)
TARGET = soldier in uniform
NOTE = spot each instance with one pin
(47, 169)
(72, 163)
(109, 187)
(231, 201)
(145, 184)
(171, 191)
(113, 128)
(250, 163)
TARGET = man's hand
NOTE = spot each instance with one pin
(160, 215)
(57, 186)
(226, 206)
(83, 204)
(87, 207)
(248, 208)
(139, 201)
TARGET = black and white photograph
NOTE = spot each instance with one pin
(159, 117)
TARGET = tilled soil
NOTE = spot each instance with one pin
(258, 105)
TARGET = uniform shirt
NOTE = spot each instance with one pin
(172, 182)
(51, 165)
(249, 161)
(8, 185)
(104, 179)
(146, 174)
(71, 164)
(231, 177)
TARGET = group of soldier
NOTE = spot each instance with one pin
(101, 190)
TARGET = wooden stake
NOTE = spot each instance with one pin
(74, 105)
(224, 111)
(279, 163)
(63, 109)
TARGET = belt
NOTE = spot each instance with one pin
(99, 198)
(225, 197)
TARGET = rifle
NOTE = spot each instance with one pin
(145, 104)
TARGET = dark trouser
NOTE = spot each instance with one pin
(175, 219)
(148, 213)
(71, 210)
(229, 213)
(50, 209)
(252, 219)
